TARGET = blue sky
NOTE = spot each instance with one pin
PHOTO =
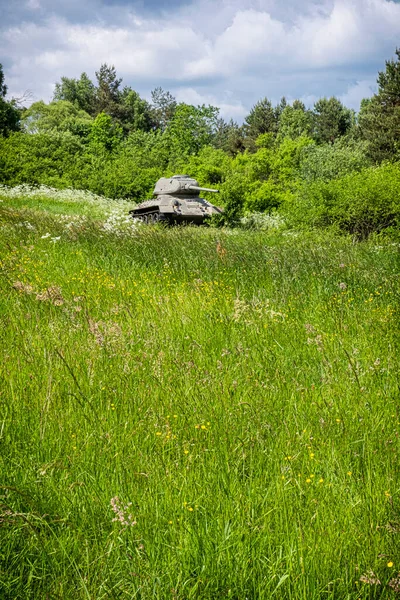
(229, 53)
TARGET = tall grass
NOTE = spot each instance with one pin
(196, 414)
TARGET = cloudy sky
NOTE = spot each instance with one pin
(229, 53)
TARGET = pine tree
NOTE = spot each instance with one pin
(379, 117)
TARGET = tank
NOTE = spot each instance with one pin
(176, 200)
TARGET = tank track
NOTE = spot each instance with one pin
(151, 216)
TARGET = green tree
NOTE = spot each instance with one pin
(105, 134)
(379, 117)
(190, 129)
(229, 137)
(54, 159)
(56, 116)
(261, 119)
(163, 107)
(295, 121)
(80, 92)
(9, 112)
(137, 113)
(108, 93)
(331, 120)
(330, 161)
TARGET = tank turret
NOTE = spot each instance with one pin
(179, 184)
(176, 200)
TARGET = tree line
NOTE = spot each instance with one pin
(105, 137)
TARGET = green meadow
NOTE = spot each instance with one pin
(193, 413)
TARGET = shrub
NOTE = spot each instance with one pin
(332, 160)
(359, 203)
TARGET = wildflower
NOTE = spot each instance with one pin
(122, 513)
(22, 287)
(349, 473)
(390, 564)
(321, 480)
(308, 480)
(370, 578)
(186, 451)
(158, 433)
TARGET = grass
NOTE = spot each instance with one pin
(195, 414)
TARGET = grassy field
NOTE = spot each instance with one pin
(192, 413)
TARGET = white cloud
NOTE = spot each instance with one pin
(229, 108)
(355, 93)
(33, 4)
(232, 52)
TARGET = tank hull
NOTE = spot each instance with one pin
(174, 210)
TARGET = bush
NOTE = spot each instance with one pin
(359, 203)
(332, 161)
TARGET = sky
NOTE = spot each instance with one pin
(228, 53)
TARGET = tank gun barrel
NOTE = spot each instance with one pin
(196, 188)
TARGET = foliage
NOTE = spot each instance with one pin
(108, 93)
(57, 116)
(137, 114)
(330, 161)
(331, 120)
(190, 129)
(295, 121)
(9, 113)
(163, 107)
(104, 134)
(379, 119)
(358, 203)
(261, 119)
(80, 92)
(54, 159)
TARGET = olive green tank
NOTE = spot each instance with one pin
(176, 200)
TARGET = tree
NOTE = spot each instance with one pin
(279, 108)
(163, 107)
(331, 120)
(379, 117)
(3, 87)
(137, 113)
(191, 128)
(57, 116)
(9, 113)
(80, 92)
(295, 121)
(108, 93)
(105, 135)
(229, 137)
(261, 119)
(331, 161)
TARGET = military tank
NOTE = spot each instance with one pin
(176, 200)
